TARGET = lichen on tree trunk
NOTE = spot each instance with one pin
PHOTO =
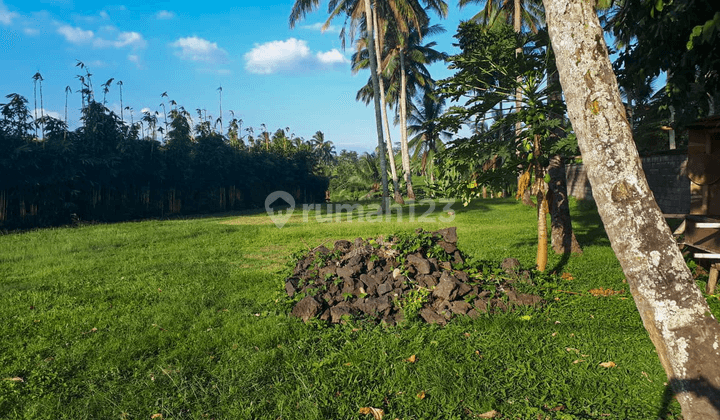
(674, 312)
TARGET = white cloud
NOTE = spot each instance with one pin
(75, 35)
(164, 15)
(198, 49)
(146, 109)
(31, 31)
(319, 27)
(124, 39)
(331, 57)
(134, 58)
(290, 56)
(6, 16)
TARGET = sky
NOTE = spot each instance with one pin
(270, 74)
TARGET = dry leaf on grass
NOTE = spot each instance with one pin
(578, 361)
(488, 415)
(376, 412)
(567, 276)
(15, 379)
(608, 364)
(411, 359)
(605, 292)
(421, 395)
(156, 416)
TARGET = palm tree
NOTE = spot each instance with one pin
(220, 118)
(325, 150)
(408, 57)
(120, 84)
(37, 77)
(68, 90)
(106, 89)
(360, 61)
(352, 8)
(427, 140)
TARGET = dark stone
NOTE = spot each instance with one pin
(291, 288)
(432, 317)
(457, 258)
(358, 242)
(510, 265)
(449, 234)
(307, 308)
(322, 249)
(325, 315)
(462, 288)
(480, 305)
(345, 272)
(472, 313)
(445, 288)
(460, 307)
(433, 264)
(440, 306)
(528, 299)
(384, 288)
(462, 276)
(330, 269)
(355, 261)
(348, 286)
(343, 245)
(421, 264)
(448, 247)
(498, 305)
(426, 281)
(337, 312)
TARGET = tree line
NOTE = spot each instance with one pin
(109, 169)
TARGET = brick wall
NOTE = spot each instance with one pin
(665, 174)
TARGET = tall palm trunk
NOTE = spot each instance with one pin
(403, 128)
(378, 106)
(393, 170)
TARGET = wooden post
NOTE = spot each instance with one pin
(712, 280)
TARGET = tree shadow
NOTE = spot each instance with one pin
(700, 387)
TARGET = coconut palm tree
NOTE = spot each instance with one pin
(406, 61)
(427, 140)
(357, 11)
(106, 89)
(37, 77)
(120, 84)
(220, 118)
(68, 90)
(360, 61)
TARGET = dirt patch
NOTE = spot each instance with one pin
(421, 274)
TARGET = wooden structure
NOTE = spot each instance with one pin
(701, 227)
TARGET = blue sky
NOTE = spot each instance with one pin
(269, 74)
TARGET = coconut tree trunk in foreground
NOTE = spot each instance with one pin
(405, 151)
(376, 97)
(391, 158)
(674, 312)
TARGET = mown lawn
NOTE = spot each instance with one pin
(186, 319)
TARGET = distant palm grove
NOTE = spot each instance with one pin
(114, 168)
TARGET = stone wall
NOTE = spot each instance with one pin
(665, 174)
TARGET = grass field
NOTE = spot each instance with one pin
(186, 319)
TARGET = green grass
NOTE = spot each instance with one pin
(185, 318)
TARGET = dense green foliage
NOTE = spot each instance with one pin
(185, 318)
(109, 170)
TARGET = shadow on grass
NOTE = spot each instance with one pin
(587, 225)
(700, 388)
